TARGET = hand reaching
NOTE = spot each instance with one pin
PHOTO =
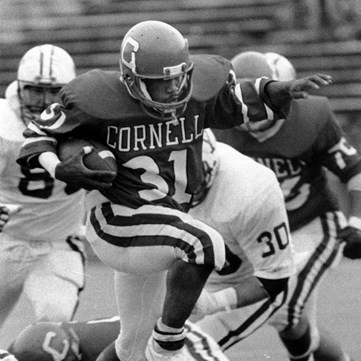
(300, 88)
(72, 171)
(281, 93)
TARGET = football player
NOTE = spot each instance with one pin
(299, 149)
(83, 341)
(152, 114)
(243, 201)
(41, 217)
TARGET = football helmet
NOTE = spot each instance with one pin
(154, 50)
(282, 68)
(210, 162)
(251, 64)
(46, 341)
(6, 356)
(42, 71)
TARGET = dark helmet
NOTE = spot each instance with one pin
(46, 341)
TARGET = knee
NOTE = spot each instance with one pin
(213, 251)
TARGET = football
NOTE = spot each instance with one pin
(101, 158)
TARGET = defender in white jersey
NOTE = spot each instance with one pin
(41, 254)
(242, 200)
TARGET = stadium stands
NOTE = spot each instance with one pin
(91, 30)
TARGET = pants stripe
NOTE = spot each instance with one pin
(259, 315)
(154, 229)
(206, 353)
(320, 261)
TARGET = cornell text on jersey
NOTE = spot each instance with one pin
(152, 136)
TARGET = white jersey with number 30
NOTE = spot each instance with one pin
(245, 204)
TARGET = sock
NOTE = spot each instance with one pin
(167, 337)
(299, 349)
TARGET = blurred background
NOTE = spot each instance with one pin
(316, 35)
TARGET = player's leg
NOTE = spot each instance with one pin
(230, 327)
(15, 265)
(328, 348)
(54, 286)
(318, 251)
(303, 338)
(153, 239)
(139, 300)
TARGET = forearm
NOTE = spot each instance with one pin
(49, 161)
(250, 291)
(278, 97)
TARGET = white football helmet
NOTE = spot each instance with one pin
(46, 341)
(283, 70)
(210, 166)
(251, 64)
(42, 71)
(154, 50)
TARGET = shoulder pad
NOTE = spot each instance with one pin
(210, 74)
(97, 94)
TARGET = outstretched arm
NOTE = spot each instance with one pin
(280, 93)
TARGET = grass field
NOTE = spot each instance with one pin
(339, 311)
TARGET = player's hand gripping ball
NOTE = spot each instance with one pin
(87, 163)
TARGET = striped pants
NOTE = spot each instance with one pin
(317, 252)
(141, 245)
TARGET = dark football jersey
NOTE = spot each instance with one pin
(159, 162)
(309, 141)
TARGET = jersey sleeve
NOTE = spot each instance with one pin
(241, 102)
(41, 135)
(336, 152)
(230, 102)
